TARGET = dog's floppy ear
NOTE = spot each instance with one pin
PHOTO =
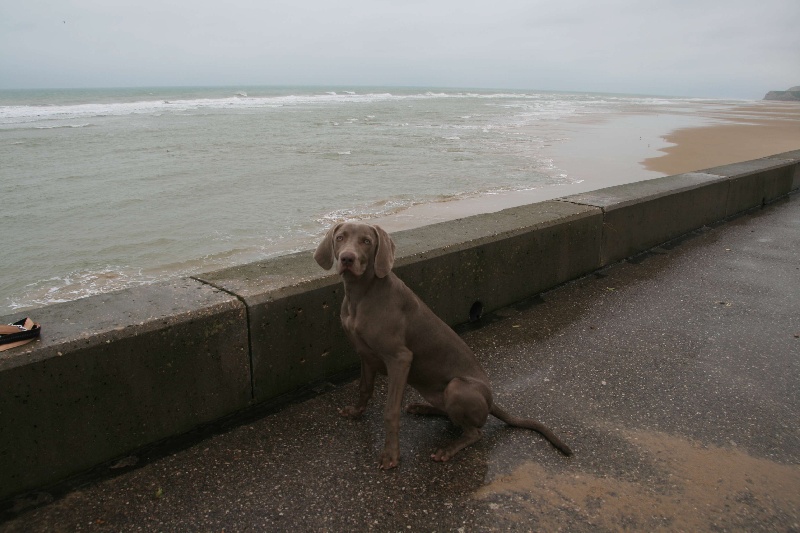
(324, 254)
(384, 256)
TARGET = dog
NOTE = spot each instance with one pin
(396, 334)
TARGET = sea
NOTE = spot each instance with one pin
(104, 189)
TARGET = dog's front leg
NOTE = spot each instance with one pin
(397, 370)
(365, 388)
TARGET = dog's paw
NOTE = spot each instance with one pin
(441, 456)
(389, 459)
(351, 412)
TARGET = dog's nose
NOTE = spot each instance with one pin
(347, 259)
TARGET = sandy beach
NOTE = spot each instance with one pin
(634, 147)
(741, 134)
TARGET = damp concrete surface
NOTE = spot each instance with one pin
(672, 375)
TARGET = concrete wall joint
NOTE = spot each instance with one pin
(247, 323)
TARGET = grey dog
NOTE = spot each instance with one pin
(396, 334)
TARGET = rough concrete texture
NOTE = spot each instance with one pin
(114, 372)
(638, 216)
(493, 260)
(498, 258)
(292, 304)
(791, 157)
(673, 376)
(757, 182)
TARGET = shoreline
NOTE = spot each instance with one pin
(589, 151)
(600, 152)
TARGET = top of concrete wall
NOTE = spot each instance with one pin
(621, 196)
(104, 318)
(747, 168)
(277, 277)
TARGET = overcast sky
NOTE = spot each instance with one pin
(704, 48)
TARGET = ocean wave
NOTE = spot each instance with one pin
(397, 204)
(30, 113)
(78, 284)
(15, 114)
(64, 126)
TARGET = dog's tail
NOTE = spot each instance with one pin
(531, 424)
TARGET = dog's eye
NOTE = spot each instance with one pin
(367, 241)
(339, 238)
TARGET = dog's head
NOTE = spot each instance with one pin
(356, 249)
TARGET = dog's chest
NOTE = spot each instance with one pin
(355, 333)
(366, 326)
(355, 318)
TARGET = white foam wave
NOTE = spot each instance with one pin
(398, 204)
(79, 284)
(63, 126)
(31, 113)
(28, 113)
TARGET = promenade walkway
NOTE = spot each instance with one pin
(674, 376)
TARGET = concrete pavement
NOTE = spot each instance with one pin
(673, 376)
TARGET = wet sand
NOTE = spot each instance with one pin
(636, 146)
(749, 132)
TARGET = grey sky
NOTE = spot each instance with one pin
(704, 48)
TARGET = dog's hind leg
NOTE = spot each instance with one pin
(467, 404)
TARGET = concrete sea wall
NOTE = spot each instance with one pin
(114, 372)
